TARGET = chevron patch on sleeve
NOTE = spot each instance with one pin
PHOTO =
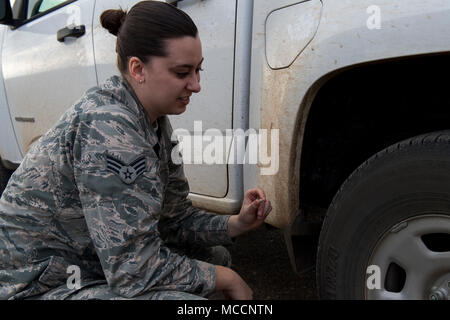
(128, 173)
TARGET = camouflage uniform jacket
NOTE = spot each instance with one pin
(99, 191)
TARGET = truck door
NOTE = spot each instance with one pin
(215, 20)
(43, 75)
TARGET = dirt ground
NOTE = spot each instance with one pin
(261, 259)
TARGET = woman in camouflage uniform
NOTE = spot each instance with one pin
(99, 193)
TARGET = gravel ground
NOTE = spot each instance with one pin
(261, 259)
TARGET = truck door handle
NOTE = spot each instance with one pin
(70, 31)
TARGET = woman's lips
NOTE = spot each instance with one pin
(184, 100)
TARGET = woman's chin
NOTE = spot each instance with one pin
(180, 109)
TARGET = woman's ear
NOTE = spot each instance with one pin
(136, 70)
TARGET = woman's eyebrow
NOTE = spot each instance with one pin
(188, 65)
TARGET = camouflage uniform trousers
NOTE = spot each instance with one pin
(217, 255)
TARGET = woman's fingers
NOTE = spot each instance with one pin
(264, 209)
(267, 209)
(256, 198)
(256, 193)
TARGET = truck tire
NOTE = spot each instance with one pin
(386, 234)
(4, 177)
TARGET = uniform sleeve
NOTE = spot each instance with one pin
(181, 222)
(122, 217)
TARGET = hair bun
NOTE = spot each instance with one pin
(112, 20)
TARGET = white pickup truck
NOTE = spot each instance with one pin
(354, 91)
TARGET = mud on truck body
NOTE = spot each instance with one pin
(355, 89)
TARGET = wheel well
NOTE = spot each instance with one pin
(363, 110)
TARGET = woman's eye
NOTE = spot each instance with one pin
(185, 74)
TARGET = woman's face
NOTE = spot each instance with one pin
(168, 82)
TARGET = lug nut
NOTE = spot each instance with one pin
(438, 295)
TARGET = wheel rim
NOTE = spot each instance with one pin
(413, 261)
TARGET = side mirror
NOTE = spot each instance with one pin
(6, 13)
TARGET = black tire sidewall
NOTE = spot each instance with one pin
(407, 180)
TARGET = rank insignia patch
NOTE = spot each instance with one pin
(127, 173)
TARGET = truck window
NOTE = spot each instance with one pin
(27, 10)
(38, 6)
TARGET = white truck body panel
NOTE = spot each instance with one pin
(279, 98)
(44, 77)
(9, 148)
(241, 95)
(289, 30)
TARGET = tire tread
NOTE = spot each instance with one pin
(433, 139)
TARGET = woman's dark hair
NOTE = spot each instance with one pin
(143, 30)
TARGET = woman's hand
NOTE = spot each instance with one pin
(232, 285)
(255, 208)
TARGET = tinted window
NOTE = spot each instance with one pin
(38, 6)
(24, 10)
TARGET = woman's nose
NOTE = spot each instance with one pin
(194, 84)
